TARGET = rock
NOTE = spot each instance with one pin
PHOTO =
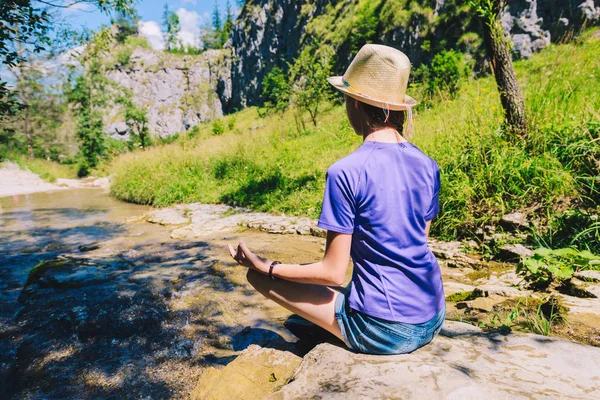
(254, 374)
(461, 363)
(177, 92)
(503, 291)
(588, 276)
(485, 303)
(444, 250)
(168, 216)
(513, 252)
(451, 288)
(514, 221)
(84, 248)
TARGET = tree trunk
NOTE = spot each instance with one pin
(511, 95)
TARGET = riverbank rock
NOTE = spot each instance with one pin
(85, 183)
(514, 221)
(254, 374)
(461, 363)
(15, 181)
(513, 252)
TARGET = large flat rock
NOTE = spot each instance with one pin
(462, 363)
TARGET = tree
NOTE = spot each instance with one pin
(498, 46)
(228, 25)
(137, 120)
(172, 27)
(126, 24)
(88, 96)
(276, 90)
(27, 23)
(308, 74)
(216, 17)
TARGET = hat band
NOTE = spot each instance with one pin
(386, 106)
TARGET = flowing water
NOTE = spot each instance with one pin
(119, 309)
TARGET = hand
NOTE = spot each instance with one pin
(245, 257)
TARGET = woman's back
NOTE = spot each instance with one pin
(383, 194)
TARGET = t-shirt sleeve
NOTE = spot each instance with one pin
(338, 210)
(434, 208)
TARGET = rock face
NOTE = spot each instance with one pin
(461, 363)
(269, 33)
(178, 91)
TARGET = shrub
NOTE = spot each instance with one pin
(555, 266)
(124, 55)
(444, 74)
(276, 90)
(218, 128)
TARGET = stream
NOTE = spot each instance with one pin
(119, 309)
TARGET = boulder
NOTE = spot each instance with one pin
(461, 363)
(588, 276)
(513, 252)
(254, 374)
(514, 221)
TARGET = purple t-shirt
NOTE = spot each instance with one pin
(383, 194)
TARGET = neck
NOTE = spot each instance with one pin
(385, 135)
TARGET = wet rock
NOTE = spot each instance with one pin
(68, 273)
(514, 221)
(462, 362)
(254, 374)
(513, 252)
(84, 248)
(588, 276)
(168, 216)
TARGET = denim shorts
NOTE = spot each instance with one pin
(366, 334)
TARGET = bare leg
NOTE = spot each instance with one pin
(314, 302)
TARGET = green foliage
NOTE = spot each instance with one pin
(126, 24)
(48, 170)
(483, 175)
(218, 127)
(137, 121)
(276, 90)
(91, 138)
(555, 266)
(124, 55)
(137, 41)
(444, 74)
(500, 323)
(172, 26)
(309, 74)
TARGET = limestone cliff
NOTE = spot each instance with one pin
(177, 91)
(270, 33)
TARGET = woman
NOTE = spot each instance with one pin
(378, 205)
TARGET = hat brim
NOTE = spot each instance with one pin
(337, 83)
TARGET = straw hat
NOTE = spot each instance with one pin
(378, 76)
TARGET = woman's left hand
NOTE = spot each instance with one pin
(245, 257)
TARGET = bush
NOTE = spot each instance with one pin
(217, 127)
(555, 266)
(444, 74)
(124, 55)
(276, 90)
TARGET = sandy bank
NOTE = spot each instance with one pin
(15, 181)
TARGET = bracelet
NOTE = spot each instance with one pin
(273, 264)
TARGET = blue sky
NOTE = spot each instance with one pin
(192, 13)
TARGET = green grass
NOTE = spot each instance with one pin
(269, 164)
(47, 170)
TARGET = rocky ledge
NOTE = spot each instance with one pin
(461, 363)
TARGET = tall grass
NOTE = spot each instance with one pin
(47, 170)
(272, 164)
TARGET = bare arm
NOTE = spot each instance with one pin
(427, 227)
(330, 271)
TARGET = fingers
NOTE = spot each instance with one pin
(231, 251)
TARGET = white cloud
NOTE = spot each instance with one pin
(189, 33)
(151, 31)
